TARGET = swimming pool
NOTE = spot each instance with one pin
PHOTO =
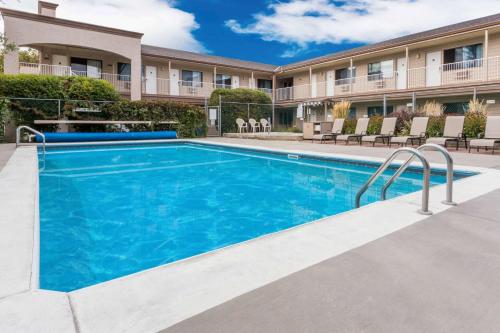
(109, 211)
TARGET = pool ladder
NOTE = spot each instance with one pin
(32, 130)
(415, 153)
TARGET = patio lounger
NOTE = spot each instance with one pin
(254, 125)
(417, 132)
(491, 135)
(453, 131)
(338, 125)
(386, 132)
(242, 125)
(361, 128)
(265, 125)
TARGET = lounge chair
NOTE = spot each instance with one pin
(361, 128)
(338, 125)
(491, 135)
(254, 125)
(386, 132)
(453, 132)
(417, 132)
(265, 125)
(242, 125)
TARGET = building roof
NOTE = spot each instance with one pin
(479, 23)
(68, 23)
(163, 52)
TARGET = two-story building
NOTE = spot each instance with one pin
(451, 64)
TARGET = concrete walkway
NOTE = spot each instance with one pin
(6, 150)
(439, 275)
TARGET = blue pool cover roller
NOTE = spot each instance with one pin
(106, 136)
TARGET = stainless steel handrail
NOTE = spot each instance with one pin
(449, 172)
(426, 177)
(18, 137)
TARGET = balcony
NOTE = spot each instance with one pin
(454, 74)
(158, 86)
(120, 82)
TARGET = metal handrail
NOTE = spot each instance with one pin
(449, 172)
(18, 137)
(426, 177)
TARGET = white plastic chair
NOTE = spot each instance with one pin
(266, 127)
(242, 125)
(254, 124)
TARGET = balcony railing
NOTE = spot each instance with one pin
(459, 73)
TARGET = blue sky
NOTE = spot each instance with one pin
(271, 31)
(221, 40)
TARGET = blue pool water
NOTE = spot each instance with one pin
(106, 212)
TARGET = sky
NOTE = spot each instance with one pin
(269, 31)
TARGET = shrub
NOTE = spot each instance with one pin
(241, 103)
(404, 119)
(474, 124)
(375, 125)
(191, 119)
(478, 106)
(341, 109)
(435, 126)
(349, 126)
(84, 88)
(432, 109)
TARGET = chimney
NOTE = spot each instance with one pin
(47, 8)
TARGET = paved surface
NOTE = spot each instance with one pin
(439, 275)
(6, 150)
(462, 157)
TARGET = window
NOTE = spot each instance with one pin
(223, 81)
(192, 78)
(456, 108)
(124, 71)
(264, 84)
(86, 67)
(464, 56)
(342, 76)
(378, 110)
(380, 70)
(352, 113)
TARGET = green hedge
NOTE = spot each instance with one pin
(57, 87)
(77, 92)
(241, 103)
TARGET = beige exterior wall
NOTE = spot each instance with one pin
(26, 32)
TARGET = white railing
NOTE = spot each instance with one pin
(416, 77)
(471, 71)
(43, 69)
(374, 83)
(463, 71)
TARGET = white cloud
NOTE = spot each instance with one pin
(161, 23)
(300, 23)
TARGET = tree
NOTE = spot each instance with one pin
(6, 47)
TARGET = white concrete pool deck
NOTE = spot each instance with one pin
(158, 298)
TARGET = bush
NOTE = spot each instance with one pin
(375, 125)
(241, 103)
(56, 87)
(349, 126)
(474, 124)
(404, 119)
(435, 126)
(191, 119)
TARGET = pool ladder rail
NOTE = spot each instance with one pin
(32, 130)
(415, 153)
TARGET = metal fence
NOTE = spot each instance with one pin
(222, 118)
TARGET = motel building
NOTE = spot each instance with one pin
(451, 65)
